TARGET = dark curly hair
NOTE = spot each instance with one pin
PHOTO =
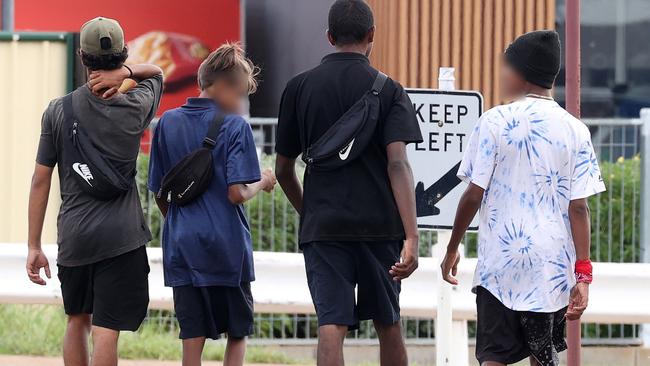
(104, 62)
(350, 21)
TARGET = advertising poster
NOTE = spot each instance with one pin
(175, 35)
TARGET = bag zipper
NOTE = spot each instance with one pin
(74, 133)
(169, 195)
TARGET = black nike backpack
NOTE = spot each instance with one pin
(94, 173)
(191, 176)
(349, 136)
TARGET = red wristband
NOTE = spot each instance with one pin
(584, 271)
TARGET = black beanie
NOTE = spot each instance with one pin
(536, 55)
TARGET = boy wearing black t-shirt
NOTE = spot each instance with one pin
(358, 222)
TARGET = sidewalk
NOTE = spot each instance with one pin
(55, 361)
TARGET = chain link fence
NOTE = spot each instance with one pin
(616, 213)
(274, 225)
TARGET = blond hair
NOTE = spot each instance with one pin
(228, 60)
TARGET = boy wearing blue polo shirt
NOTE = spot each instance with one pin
(207, 248)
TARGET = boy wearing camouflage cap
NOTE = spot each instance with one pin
(102, 262)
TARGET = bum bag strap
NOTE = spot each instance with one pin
(68, 111)
(379, 82)
(210, 140)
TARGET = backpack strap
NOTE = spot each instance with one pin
(379, 82)
(210, 140)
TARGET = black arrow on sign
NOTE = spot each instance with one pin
(426, 200)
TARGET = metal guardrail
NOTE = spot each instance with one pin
(614, 298)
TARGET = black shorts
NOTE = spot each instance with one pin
(335, 269)
(115, 290)
(213, 310)
(507, 336)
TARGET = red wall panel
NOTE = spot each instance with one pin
(212, 21)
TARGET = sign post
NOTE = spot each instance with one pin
(572, 76)
(447, 118)
(645, 203)
(7, 11)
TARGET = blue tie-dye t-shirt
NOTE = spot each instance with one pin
(531, 157)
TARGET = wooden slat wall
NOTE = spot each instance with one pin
(416, 37)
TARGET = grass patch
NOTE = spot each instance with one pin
(38, 330)
(31, 330)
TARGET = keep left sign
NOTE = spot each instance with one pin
(447, 119)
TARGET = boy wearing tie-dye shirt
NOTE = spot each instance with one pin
(530, 166)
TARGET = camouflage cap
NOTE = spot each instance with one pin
(102, 36)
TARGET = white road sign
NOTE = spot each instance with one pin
(447, 119)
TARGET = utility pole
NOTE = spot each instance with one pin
(572, 86)
(7, 15)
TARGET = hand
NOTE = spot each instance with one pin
(36, 260)
(578, 301)
(106, 83)
(268, 180)
(127, 85)
(409, 260)
(450, 264)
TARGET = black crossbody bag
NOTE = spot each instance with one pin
(95, 174)
(191, 176)
(349, 136)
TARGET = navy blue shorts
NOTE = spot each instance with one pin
(214, 310)
(336, 269)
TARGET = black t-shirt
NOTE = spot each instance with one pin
(355, 202)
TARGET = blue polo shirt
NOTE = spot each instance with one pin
(207, 242)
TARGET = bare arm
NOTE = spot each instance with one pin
(38, 197)
(143, 71)
(285, 168)
(579, 218)
(107, 82)
(240, 193)
(469, 204)
(401, 181)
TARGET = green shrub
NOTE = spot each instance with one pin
(273, 221)
(616, 213)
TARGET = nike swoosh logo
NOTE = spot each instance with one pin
(83, 171)
(345, 152)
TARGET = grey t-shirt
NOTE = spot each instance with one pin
(90, 230)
